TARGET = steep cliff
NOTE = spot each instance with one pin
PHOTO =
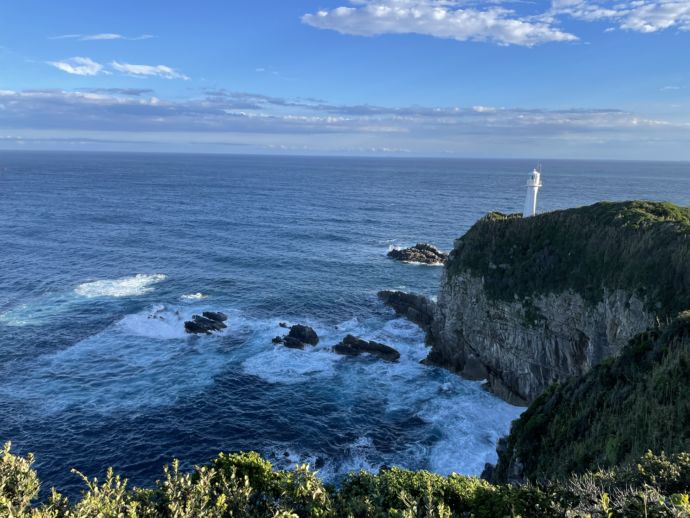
(526, 302)
(623, 407)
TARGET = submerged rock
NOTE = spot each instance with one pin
(206, 323)
(353, 346)
(420, 253)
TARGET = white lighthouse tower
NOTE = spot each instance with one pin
(533, 185)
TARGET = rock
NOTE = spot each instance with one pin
(215, 315)
(277, 340)
(420, 253)
(353, 346)
(283, 325)
(293, 343)
(304, 334)
(488, 472)
(205, 325)
(415, 308)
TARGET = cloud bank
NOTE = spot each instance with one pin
(252, 122)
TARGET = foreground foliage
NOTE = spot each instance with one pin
(611, 415)
(639, 246)
(245, 485)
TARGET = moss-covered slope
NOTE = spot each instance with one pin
(639, 246)
(621, 408)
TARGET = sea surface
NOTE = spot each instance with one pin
(102, 257)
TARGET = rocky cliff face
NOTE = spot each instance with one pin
(525, 302)
(523, 346)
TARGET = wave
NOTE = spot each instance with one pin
(190, 297)
(125, 287)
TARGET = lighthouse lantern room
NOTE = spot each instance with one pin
(533, 185)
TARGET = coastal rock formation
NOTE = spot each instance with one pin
(206, 323)
(423, 253)
(354, 346)
(416, 308)
(610, 416)
(304, 334)
(526, 302)
(521, 347)
(299, 336)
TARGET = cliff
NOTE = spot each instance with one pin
(623, 407)
(526, 302)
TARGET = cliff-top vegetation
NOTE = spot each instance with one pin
(642, 247)
(245, 485)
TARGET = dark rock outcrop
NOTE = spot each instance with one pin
(353, 346)
(206, 323)
(292, 343)
(420, 253)
(415, 308)
(304, 334)
(298, 337)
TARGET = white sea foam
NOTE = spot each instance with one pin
(159, 322)
(125, 287)
(278, 364)
(193, 297)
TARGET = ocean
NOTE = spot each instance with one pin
(103, 255)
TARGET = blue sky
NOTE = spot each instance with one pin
(563, 78)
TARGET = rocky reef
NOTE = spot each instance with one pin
(298, 336)
(526, 302)
(354, 346)
(206, 323)
(422, 253)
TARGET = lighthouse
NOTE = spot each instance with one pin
(533, 184)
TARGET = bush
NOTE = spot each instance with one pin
(656, 486)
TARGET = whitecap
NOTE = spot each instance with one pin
(194, 296)
(125, 287)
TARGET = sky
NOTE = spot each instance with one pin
(449, 78)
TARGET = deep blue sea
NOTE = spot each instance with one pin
(93, 245)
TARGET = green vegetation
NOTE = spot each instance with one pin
(245, 485)
(611, 415)
(640, 246)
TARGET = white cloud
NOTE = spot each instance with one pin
(474, 20)
(103, 36)
(634, 15)
(79, 66)
(148, 70)
(438, 18)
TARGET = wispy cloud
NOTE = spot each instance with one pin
(83, 66)
(633, 15)
(79, 66)
(102, 36)
(148, 70)
(438, 18)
